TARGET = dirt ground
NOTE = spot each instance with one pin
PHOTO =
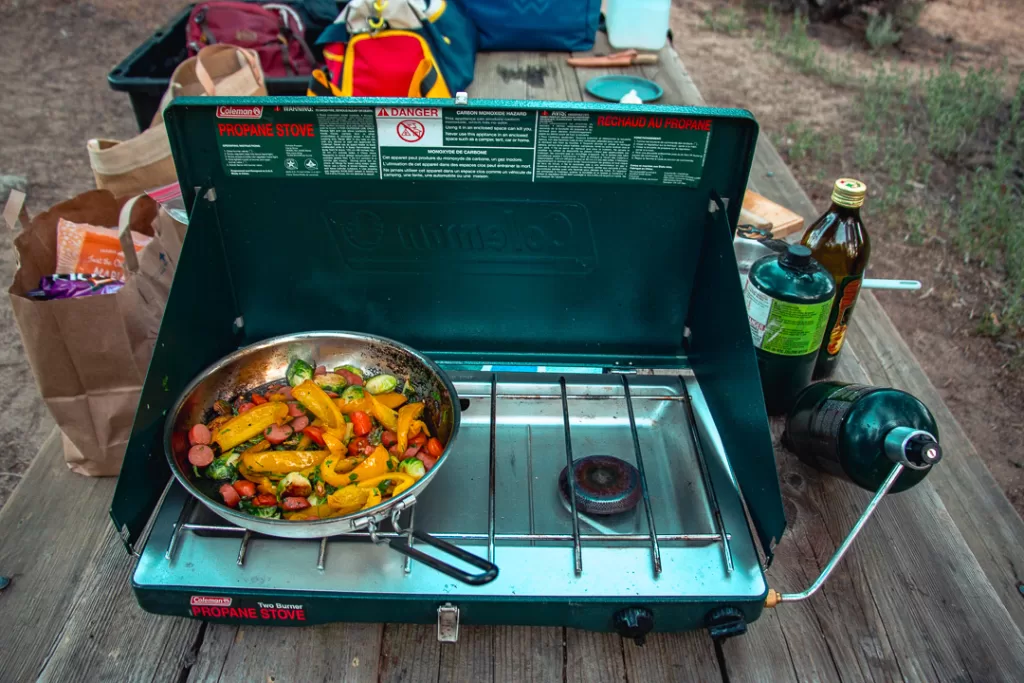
(53, 69)
(977, 376)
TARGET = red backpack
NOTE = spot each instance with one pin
(275, 32)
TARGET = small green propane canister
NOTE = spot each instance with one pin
(859, 432)
(788, 298)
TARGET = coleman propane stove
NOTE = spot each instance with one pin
(545, 255)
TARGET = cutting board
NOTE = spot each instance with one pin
(764, 213)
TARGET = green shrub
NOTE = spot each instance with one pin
(881, 32)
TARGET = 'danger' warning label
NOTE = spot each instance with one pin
(427, 142)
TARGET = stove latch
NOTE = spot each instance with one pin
(447, 623)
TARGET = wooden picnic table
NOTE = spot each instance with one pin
(930, 591)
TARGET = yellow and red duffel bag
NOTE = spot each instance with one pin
(397, 48)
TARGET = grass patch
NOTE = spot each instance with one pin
(881, 32)
(728, 20)
(942, 151)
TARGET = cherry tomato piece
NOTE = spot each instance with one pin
(258, 399)
(316, 434)
(435, 447)
(245, 488)
(418, 440)
(356, 446)
(361, 423)
(265, 500)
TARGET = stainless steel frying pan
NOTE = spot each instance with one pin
(266, 361)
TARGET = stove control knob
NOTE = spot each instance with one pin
(635, 623)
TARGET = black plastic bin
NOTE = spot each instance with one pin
(146, 72)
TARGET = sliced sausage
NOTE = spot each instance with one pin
(230, 495)
(294, 503)
(200, 455)
(278, 434)
(411, 452)
(388, 438)
(287, 391)
(300, 423)
(246, 407)
(265, 500)
(350, 377)
(320, 370)
(199, 434)
(295, 410)
(427, 460)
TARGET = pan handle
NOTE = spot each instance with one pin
(489, 573)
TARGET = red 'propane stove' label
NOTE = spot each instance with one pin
(209, 607)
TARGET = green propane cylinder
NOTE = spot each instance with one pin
(859, 432)
(788, 298)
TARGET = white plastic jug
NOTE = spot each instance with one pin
(641, 24)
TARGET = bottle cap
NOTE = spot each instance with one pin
(796, 256)
(849, 192)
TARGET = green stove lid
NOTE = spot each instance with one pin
(493, 232)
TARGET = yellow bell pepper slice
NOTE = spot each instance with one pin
(332, 477)
(281, 462)
(392, 399)
(406, 415)
(374, 499)
(335, 445)
(417, 427)
(401, 479)
(241, 428)
(316, 401)
(375, 464)
(315, 512)
(348, 499)
(364, 404)
(384, 415)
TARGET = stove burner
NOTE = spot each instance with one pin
(604, 485)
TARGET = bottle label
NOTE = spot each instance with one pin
(846, 296)
(784, 328)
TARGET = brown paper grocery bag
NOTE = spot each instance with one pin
(144, 162)
(90, 354)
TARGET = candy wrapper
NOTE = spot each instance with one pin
(72, 286)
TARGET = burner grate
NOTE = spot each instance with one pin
(492, 537)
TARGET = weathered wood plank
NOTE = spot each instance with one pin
(594, 657)
(410, 652)
(69, 613)
(528, 654)
(108, 638)
(671, 657)
(471, 658)
(328, 654)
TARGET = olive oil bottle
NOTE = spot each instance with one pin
(839, 242)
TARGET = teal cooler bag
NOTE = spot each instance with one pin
(564, 25)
